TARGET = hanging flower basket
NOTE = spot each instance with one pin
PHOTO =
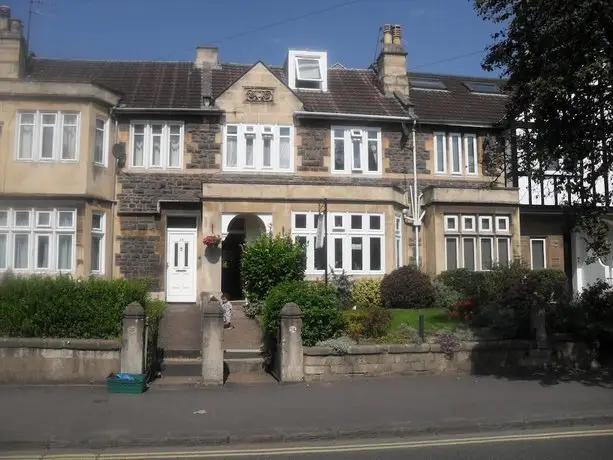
(212, 241)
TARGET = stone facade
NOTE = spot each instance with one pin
(141, 249)
(399, 151)
(313, 146)
(202, 144)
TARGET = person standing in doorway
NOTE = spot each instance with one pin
(227, 311)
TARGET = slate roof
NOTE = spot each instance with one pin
(154, 84)
(457, 104)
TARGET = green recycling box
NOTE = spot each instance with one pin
(125, 383)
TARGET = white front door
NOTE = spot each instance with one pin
(181, 266)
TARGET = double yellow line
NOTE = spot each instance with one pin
(306, 450)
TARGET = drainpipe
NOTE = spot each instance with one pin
(415, 198)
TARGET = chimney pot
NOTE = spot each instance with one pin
(5, 12)
(397, 35)
(387, 34)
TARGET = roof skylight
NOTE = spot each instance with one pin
(482, 87)
(427, 84)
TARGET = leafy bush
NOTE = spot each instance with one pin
(449, 342)
(402, 335)
(366, 294)
(343, 285)
(466, 282)
(445, 297)
(268, 261)
(253, 308)
(340, 345)
(407, 287)
(368, 322)
(63, 307)
(321, 314)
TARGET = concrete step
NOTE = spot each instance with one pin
(182, 354)
(182, 367)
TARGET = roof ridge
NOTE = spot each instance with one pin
(451, 75)
(111, 60)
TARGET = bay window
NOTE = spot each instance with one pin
(455, 153)
(47, 136)
(258, 148)
(36, 241)
(156, 145)
(476, 247)
(356, 242)
(356, 150)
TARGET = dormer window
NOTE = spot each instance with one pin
(307, 70)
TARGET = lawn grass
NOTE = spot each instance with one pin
(434, 318)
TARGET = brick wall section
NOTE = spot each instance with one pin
(141, 249)
(314, 145)
(400, 151)
(141, 193)
(201, 143)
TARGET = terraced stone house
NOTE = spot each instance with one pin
(121, 169)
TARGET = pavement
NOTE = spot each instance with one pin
(39, 417)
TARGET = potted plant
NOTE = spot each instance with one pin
(212, 241)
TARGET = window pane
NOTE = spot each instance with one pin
(338, 221)
(356, 222)
(375, 253)
(320, 258)
(339, 154)
(139, 149)
(284, 152)
(174, 148)
(284, 131)
(451, 247)
(64, 252)
(43, 219)
(266, 154)
(455, 154)
(486, 254)
(65, 219)
(231, 129)
(4, 218)
(440, 153)
(249, 151)
(471, 157)
(69, 143)
(42, 251)
(308, 69)
(97, 221)
(373, 155)
(26, 134)
(338, 253)
(96, 256)
(397, 248)
(503, 251)
(186, 247)
(356, 253)
(469, 253)
(47, 142)
(3, 251)
(22, 218)
(357, 154)
(231, 151)
(21, 243)
(538, 254)
(156, 149)
(300, 221)
(99, 142)
(375, 222)
(176, 258)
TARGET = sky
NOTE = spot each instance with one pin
(444, 36)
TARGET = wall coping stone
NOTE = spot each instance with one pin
(57, 344)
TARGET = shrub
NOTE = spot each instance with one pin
(402, 335)
(321, 315)
(466, 282)
(63, 307)
(464, 309)
(407, 287)
(253, 308)
(268, 261)
(445, 297)
(366, 294)
(370, 322)
(340, 345)
(449, 342)
(343, 285)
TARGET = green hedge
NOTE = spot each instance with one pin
(62, 307)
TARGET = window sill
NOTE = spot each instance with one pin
(356, 173)
(100, 165)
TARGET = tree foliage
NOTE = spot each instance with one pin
(557, 56)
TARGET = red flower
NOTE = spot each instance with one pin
(212, 240)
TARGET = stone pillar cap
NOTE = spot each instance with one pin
(212, 309)
(134, 310)
(291, 310)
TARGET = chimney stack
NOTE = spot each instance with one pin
(392, 63)
(207, 56)
(13, 48)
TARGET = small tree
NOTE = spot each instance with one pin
(268, 261)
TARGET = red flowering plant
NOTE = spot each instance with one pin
(212, 241)
(464, 310)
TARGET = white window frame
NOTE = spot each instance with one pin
(491, 224)
(437, 166)
(455, 171)
(321, 84)
(398, 259)
(471, 219)
(100, 234)
(33, 232)
(508, 241)
(105, 141)
(504, 219)
(37, 135)
(346, 235)
(350, 134)
(475, 241)
(474, 152)
(455, 219)
(258, 132)
(148, 144)
(544, 241)
(337, 228)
